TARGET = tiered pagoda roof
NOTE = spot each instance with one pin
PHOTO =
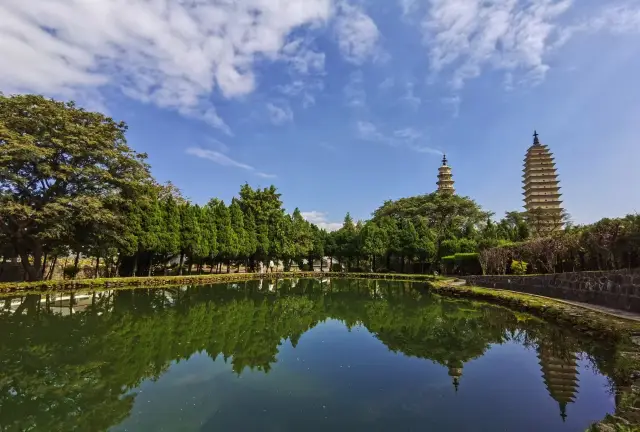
(541, 185)
(445, 178)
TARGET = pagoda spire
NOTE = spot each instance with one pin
(535, 137)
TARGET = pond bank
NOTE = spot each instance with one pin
(153, 281)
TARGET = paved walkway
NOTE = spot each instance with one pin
(618, 313)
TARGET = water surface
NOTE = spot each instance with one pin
(291, 355)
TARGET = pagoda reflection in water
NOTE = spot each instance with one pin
(560, 374)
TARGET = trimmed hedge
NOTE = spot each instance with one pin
(461, 263)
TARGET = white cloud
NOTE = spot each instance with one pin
(618, 19)
(367, 131)
(408, 6)
(279, 114)
(407, 137)
(173, 54)
(320, 219)
(410, 98)
(303, 89)
(224, 160)
(354, 90)
(265, 175)
(453, 102)
(464, 37)
(408, 133)
(303, 58)
(357, 34)
(469, 35)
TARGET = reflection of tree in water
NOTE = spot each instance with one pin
(65, 373)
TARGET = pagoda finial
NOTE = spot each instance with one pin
(444, 160)
(535, 137)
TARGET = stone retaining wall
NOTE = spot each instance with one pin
(615, 289)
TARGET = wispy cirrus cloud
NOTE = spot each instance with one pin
(409, 138)
(465, 37)
(224, 160)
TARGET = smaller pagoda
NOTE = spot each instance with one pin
(445, 179)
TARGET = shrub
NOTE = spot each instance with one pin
(448, 264)
(468, 263)
(518, 267)
(70, 271)
(336, 267)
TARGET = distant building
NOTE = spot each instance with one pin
(542, 189)
(445, 179)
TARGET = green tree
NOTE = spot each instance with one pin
(408, 242)
(190, 235)
(240, 248)
(425, 247)
(251, 239)
(60, 164)
(170, 236)
(301, 236)
(373, 242)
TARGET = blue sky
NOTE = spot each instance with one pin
(344, 104)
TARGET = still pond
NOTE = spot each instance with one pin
(292, 355)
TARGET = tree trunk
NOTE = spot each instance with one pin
(181, 263)
(211, 267)
(97, 272)
(135, 265)
(32, 272)
(52, 269)
(228, 266)
(77, 260)
(190, 263)
(150, 265)
(164, 266)
(373, 263)
(44, 265)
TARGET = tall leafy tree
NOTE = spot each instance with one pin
(170, 235)
(189, 234)
(60, 164)
(373, 242)
(251, 239)
(240, 247)
(408, 241)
